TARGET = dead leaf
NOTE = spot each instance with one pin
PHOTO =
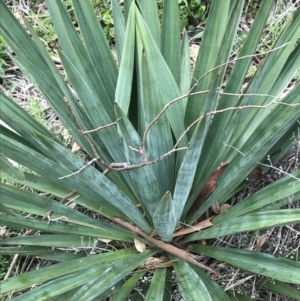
(260, 241)
(256, 174)
(154, 262)
(3, 231)
(208, 188)
(224, 207)
(72, 205)
(75, 147)
(202, 225)
(194, 49)
(215, 207)
(276, 152)
(105, 240)
(140, 246)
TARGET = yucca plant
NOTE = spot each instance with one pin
(164, 147)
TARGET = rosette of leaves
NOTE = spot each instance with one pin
(164, 144)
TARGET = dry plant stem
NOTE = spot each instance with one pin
(101, 127)
(49, 213)
(189, 93)
(186, 256)
(11, 267)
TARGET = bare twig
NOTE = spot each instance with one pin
(81, 128)
(49, 213)
(280, 170)
(202, 92)
(186, 256)
(79, 170)
(101, 127)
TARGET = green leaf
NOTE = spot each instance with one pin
(190, 284)
(170, 37)
(164, 218)
(213, 35)
(187, 170)
(97, 46)
(150, 14)
(55, 271)
(90, 175)
(280, 189)
(110, 276)
(185, 71)
(119, 26)
(128, 286)
(157, 286)
(281, 288)
(7, 168)
(21, 122)
(154, 145)
(124, 85)
(27, 202)
(238, 297)
(161, 78)
(212, 286)
(41, 164)
(59, 228)
(264, 264)
(55, 241)
(144, 181)
(234, 84)
(255, 148)
(47, 186)
(80, 57)
(58, 286)
(249, 222)
(36, 64)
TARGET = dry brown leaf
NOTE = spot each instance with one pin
(260, 241)
(140, 246)
(202, 225)
(153, 262)
(208, 187)
(75, 147)
(256, 174)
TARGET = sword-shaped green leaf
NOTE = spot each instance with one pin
(164, 217)
(263, 264)
(249, 222)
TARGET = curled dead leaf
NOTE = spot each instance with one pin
(260, 241)
(208, 187)
(154, 262)
(140, 246)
